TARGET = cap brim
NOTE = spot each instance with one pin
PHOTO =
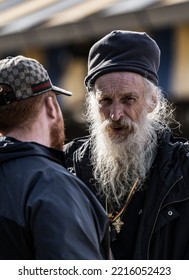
(58, 90)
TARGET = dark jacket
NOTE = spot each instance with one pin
(46, 212)
(163, 230)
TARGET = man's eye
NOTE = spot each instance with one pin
(105, 101)
(129, 100)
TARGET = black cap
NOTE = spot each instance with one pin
(123, 51)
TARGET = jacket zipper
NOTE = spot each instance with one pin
(159, 211)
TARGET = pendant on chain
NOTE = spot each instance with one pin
(115, 228)
(115, 220)
(118, 224)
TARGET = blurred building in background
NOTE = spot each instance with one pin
(60, 33)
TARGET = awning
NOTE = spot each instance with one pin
(53, 22)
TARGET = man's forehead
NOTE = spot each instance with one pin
(122, 83)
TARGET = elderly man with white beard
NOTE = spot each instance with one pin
(131, 161)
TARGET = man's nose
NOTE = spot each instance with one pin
(117, 112)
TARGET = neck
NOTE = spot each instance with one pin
(37, 132)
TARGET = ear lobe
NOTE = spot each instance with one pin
(51, 110)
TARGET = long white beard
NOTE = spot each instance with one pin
(117, 164)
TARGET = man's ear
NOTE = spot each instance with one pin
(50, 107)
(152, 104)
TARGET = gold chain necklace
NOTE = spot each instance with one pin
(115, 220)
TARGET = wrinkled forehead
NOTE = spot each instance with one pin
(120, 83)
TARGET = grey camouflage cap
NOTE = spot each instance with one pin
(26, 77)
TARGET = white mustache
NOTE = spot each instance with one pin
(122, 123)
